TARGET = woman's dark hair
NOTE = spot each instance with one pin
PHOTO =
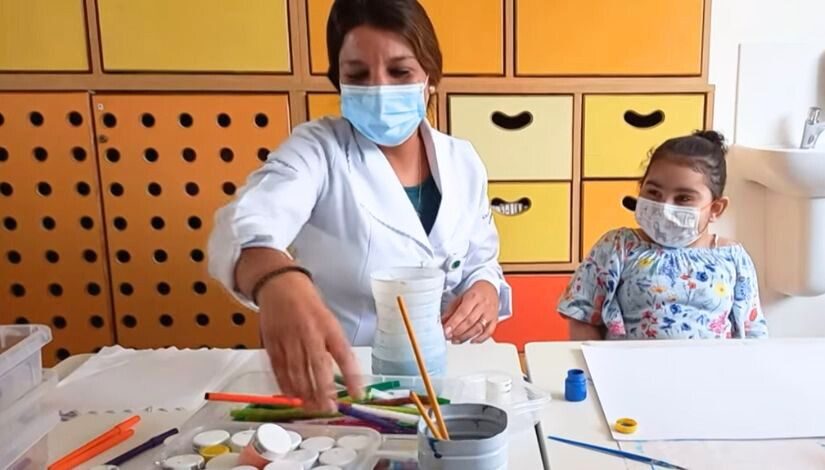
(702, 151)
(405, 17)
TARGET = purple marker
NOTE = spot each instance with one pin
(150, 444)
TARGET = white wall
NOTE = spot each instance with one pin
(735, 22)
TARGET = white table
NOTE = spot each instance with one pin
(547, 365)
(525, 450)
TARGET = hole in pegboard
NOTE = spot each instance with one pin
(59, 322)
(109, 120)
(120, 223)
(10, 223)
(87, 222)
(150, 155)
(14, 257)
(147, 120)
(62, 353)
(154, 189)
(36, 118)
(227, 154)
(97, 349)
(126, 289)
(79, 154)
(238, 318)
(21, 321)
(48, 223)
(166, 320)
(55, 289)
(157, 223)
(2, 119)
(202, 319)
(6, 189)
(44, 188)
(239, 346)
(229, 188)
(52, 256)
(261, 120)
(90, 256)
(123, 256)
(113, 155)
(263, 154)
(194, 222)
(40, 154)
(224, 120)
(129, 321)
(96, 321)
(185, 120)
(199, 287)
(196, 255)
(163, 288)
(192, 189)
(93, 289)
(18, 290)
(160, 256)
(189, 154)
(116, 189)
(83, 188)
(75, 118)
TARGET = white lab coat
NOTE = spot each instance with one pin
(330, 196)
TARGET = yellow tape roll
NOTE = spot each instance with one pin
(626, 425)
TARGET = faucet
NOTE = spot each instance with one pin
(813, 128)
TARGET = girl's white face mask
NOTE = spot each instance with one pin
(669, 225)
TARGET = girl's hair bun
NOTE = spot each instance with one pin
(712, 136)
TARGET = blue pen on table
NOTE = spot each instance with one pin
(619, 453)
(150, 444)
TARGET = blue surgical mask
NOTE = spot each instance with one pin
(388, 114)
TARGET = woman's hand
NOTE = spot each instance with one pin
(473, 315)
(302, 338)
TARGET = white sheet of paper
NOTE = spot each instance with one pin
(712, 389)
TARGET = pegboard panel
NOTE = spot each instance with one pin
(52, 268)
(167, 163)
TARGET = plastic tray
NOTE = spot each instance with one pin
(21, 367)
(25, 425)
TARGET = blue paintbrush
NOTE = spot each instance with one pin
(619, 453)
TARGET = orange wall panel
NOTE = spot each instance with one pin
(535, 318)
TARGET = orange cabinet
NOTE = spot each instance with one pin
(602, 209)
(609, 37)
(455, 21)
(535, 318)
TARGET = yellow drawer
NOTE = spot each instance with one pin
(329, 104)
(602, 209)
(620, 130)
(455, 21)
(195, 35)
(609, 37)
(518, 137)
(43, 35)
(533, 221)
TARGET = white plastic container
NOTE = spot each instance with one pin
(21, 366)
(25, 424)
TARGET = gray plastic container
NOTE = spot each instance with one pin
(21, 367)
(478, 439)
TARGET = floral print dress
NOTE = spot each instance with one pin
(637, 289)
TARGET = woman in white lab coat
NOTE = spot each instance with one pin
(377, 189)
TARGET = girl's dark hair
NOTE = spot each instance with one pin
(405, 17)
(703, 151)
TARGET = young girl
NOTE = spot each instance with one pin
(673, 278)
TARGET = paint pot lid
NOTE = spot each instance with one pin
(338, 456)
(210, 438)
(306, 457)
(214, 451)
(224, 462)
(183, 462)
(241, 439)
(318, 443)
(500, 383)
(296, 439)
(355, 442)
(284, 465)
(273, 441)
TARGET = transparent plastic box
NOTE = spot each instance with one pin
(21, 366)
(25, 425)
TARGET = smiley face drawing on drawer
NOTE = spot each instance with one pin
(519, 137)
(620, 130)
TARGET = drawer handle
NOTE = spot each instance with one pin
(511, 208)
(512, 123)
(644, 121)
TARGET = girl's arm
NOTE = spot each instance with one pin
(746, 316)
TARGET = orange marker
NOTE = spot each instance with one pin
(278, 400)
(114, 436)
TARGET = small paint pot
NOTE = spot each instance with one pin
(478, 439)
(339, 457)
(223, 462)
(211, 438)
(240, 440)
(305, 457)
(183, 462)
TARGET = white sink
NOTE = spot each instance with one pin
(787, 171)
